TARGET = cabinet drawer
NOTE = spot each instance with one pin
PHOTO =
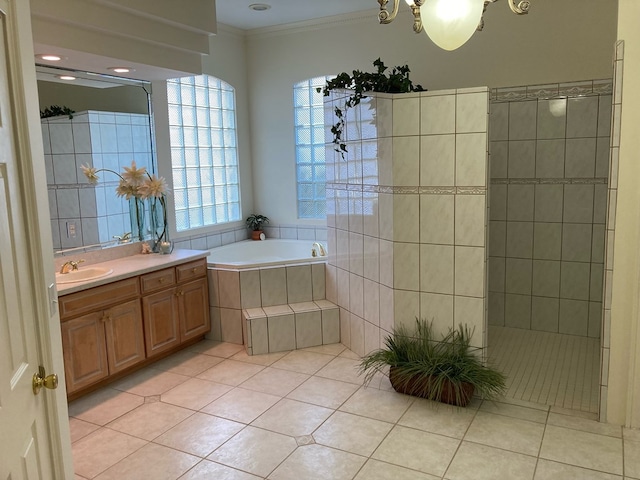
(157, 280)
(98, 297)
(192, 270)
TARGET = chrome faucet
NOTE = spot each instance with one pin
(319, 251)
(70, 265)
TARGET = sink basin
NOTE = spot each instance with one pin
(83, 274)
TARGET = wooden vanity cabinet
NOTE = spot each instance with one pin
(178, 308)
(105, 341)
(110, 329)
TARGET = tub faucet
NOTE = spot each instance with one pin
(70, 265)
(318, 249)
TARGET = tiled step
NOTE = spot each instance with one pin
(290, 326)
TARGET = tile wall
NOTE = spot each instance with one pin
(406, 214)
(549, 150)
(105, 140)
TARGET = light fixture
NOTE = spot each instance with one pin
(121, 69)
(49, 57)
(259, 7)
(68, 78)
(449, 23)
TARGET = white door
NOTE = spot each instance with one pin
(26, 447)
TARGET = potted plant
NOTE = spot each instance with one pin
(255, 223)
(360, 83)
(447, 370)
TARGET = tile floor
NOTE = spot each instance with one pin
(212, 412)
(548, 368)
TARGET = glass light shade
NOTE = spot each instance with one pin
(450, 23)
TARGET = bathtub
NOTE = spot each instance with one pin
(270, 296)
(250, 254)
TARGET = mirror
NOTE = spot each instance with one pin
(111, 127)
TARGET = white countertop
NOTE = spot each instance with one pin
(131, 266)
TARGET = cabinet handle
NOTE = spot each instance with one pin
(105, 317)
(195, 269)
(162, 280)
(179, 293)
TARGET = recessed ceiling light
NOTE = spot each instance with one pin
(121, 69)
(259, 7)
(66, 77)
(49, 57)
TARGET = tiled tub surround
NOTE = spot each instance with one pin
(549, 169)
(406, 214)
(105, 140)
(273, 308)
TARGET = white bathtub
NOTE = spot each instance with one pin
(251, 254)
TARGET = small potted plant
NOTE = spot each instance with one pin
(447, 370)
(255, 223)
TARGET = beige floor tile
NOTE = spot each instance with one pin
(104, 406)
(317, 462)
(330, 349)
(255, 451)
(343, 369)
(241, 405)
(207, 470)
(373, 403)
(438, 418)
(578, 423)
(417, 450)
(90, 457)
(217, 349)
(153, 462)
(547, 470)
(195, 393)
(352, 433)
(514, 434)
(573, 413)
(80, 429)
(582, 449)
(303, 362)
(230, 372)
(346, 353)
(293, 418)
(150, 420)
(266, 359)
(187, 363)
(275, 381)
(149, 382)
(479, 462)
(376, 470)
(515, 411)
(324, 392)
(522, 403)
(632, 459)
(200, 434)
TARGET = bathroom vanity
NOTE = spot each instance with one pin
(149, 307)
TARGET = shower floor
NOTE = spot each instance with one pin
(548, 368)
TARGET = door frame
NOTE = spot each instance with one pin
(30, 168)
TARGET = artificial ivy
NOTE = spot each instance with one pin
(56, 111)
(397, 81)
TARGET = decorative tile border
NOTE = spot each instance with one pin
(466, 190)
(552, 90)
(550, 181)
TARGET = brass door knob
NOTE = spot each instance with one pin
(41, 379)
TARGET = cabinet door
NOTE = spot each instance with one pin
(160, 312)
(194, 309)
(124, 336)
(85, 354)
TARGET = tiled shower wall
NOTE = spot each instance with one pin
(81, 213)
(406, 215)
(549, 166)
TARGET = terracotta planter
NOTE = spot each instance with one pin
(255, 234)
(419, 387)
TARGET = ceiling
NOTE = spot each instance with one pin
(237, 13)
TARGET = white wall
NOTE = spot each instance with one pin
(557, 42)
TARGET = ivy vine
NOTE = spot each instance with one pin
(56, 111)
(397, 81)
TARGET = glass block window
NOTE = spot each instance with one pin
(308, 112)
(204, 156)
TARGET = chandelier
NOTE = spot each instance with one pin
(448, 23)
